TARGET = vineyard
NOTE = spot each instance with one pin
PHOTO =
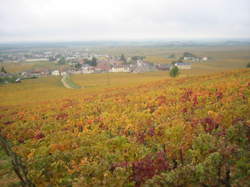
(186, 131)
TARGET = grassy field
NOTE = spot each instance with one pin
(30, 91)
(110, 80)
(68, 83)
(13, 67)
(51, 88)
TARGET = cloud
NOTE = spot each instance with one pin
(29, 20)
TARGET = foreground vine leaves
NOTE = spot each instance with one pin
(176, 132)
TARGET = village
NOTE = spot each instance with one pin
(84, 62)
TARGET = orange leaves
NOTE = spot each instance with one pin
(21, 115)
(61, 116)
(88, 133)
(58, 147)
(65, 144)
(161, 100)
(30, 156)
(217, 117)
(90, 121)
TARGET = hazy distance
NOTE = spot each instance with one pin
(84, 20)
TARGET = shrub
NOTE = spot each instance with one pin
(174, 71)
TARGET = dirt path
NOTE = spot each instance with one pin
(64, 82)
(67, 83)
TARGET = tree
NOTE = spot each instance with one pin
(3, 70)
(62, 61)
(94, 61)
(187, 54)
(123, 58)
(248, 65)
(171, 56)
(174, 71)
(77, 65)
(18, 165)
(51, 58)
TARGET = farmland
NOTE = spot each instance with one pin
(50, 88)
(25, 66)
(131, 129)
(118, 93)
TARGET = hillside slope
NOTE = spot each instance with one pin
(192, 130)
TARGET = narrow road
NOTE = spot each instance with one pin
(64, 82)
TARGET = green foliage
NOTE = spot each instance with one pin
(77, 65)
(62, 61)
(248, 65)
(8, 79)
(3, 70)
(134, 58)
(174, 72)
(66, 79)
(187, 54)
(171, 56)
(92, 62)
(123, 58)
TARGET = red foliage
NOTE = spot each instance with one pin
(219, 95)
(151, 108)
(21, 140)
(237, 120)
(187, 95)
(39, 135)
(121, 164)
(184, 110)
(140, 137)
(195, 100)
(149, 166)
(61, 116)
(161, 100)
(8, 122)
(1, 116)
(151, 131)
(13, 113)
(209, 124)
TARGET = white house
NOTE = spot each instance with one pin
(63, 73)
(204, 58)
(188, 58)
(55, 73)
(88, 69)
(183, 65)
(142, 66)
(37, 59)
(120, 69)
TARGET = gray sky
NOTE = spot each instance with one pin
(65, 20)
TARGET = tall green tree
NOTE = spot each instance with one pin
(94, 61)
(248, 65)
(174, 72)
(123, 58)
(3, 70)
(62, 61)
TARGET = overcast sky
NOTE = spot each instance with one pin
(74, 20)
